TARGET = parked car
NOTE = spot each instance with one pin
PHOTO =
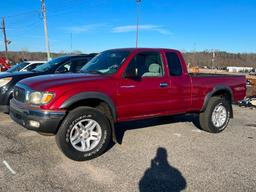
(121, 85)
(252, 72)
(25, 66)
(59, 65)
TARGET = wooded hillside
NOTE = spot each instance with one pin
(222, 59)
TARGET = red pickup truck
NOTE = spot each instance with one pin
(121, 85)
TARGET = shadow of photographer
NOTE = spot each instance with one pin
(161, 176)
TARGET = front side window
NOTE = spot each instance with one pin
(77, 64)
(73, 65)
(174, 64)
(107, 62)
(64, 68)
(50, 65)
(32, 66)
(147, 64)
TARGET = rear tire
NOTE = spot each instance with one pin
(84, 134)
(216, 116)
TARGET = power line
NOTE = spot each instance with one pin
(57, 11)
(38, 11)
(16, 21)
(23, 27)
(67, 8)
(23, 13)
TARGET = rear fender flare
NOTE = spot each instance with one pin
(215, 90)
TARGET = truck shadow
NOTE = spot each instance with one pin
(161, 176)
(121, 128)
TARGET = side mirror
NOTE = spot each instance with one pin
(132, 73)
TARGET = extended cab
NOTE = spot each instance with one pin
(121, 85)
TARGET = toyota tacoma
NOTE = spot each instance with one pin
(121, 85)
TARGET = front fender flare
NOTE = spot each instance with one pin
(94, 95)
(90, 95)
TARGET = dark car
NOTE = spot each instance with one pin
(64, 64)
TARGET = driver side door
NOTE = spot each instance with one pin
(147, 94)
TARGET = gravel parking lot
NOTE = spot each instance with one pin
(163, 154)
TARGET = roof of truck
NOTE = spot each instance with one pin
(142, 48)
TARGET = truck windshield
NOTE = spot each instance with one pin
(50, 65)
(18, 67)
(106, 62)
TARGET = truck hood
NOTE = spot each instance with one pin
(46, 82)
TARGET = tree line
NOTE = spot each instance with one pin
(221, 59)
(193, 59)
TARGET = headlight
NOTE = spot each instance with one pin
(40, 98)
(4, 81)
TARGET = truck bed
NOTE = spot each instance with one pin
(204, 83)
(213, 75)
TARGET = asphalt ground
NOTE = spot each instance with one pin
(161, 154)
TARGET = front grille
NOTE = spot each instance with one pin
(19, 94)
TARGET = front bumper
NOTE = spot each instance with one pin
(48, 121)
(5, 94)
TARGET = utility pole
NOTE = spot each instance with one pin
(5, 38)
(194, 55)
(213, 58)
(45, 30)
(71, 42)
(137, 26)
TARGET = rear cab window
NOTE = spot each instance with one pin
(174, 64)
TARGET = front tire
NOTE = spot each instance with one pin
(216, 116)
(84, 134)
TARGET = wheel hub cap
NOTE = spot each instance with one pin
(219, 115)
(85, 135)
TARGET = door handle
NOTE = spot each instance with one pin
(163, 84)
(128, 86)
